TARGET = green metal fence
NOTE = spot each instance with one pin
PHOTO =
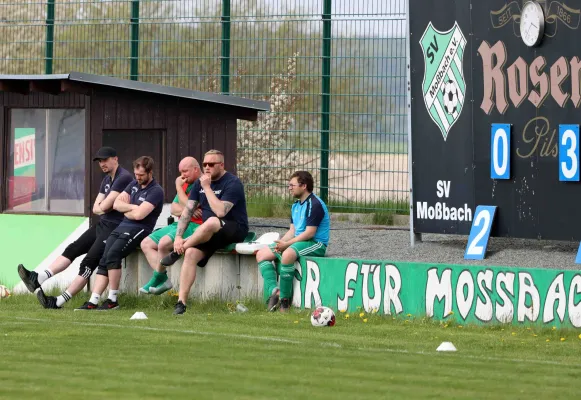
(334, 72)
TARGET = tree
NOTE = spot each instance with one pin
(275, 56)
(23, 31)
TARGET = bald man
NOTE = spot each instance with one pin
(160, 243)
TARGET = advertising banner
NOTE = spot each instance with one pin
(23, 184)
(471, 68)
(467, 294)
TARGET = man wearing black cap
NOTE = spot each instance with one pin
(92, 241)
(141, 203)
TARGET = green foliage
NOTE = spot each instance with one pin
(264, 206)
(399, 207)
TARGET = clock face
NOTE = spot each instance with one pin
(532, 23)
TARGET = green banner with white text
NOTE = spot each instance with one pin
(468, 294)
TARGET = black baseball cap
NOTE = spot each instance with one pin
(104, 153)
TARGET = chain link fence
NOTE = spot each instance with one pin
(334, 72)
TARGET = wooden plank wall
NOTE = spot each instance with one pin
(191, 127)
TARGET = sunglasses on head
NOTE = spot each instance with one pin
(210, 164)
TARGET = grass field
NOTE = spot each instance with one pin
(261, 206)
(214, 353)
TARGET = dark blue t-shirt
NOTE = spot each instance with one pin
(117, 184)
(227, 188)
(152, 193)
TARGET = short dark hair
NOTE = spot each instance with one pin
(304, 178)
(215, 153)
(144, 161)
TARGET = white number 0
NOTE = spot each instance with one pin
(500, 136)
(570, 172)
(475, 249)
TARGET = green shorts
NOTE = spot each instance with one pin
(302, 249)
(171, 230)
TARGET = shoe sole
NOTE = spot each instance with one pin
(22, 274)
(169, 262)
(273, 307)
(42, 300)
(142, 290)
(161, 291)
(182, 313)
(40, 296)
(84, 309)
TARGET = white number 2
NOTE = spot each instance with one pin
(483, 217)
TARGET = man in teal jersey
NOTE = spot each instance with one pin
(308, 235)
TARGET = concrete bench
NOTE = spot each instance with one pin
(228, 275)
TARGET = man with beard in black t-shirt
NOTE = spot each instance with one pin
(220, 195)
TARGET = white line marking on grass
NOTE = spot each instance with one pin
(324, 344)
(149, 328)
(291, 341)
(479, 358)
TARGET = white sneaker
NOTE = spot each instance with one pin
(164, 287)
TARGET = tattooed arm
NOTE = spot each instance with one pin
(184, 221)
(227, 206)
(186, 216)
(219, 207)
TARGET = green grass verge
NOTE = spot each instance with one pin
(279, 207)
(262, 206)
(212, 352)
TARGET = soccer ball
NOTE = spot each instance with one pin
(4, 292)
(323, 316)
(450, 97)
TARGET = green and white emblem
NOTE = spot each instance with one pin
(443, 87)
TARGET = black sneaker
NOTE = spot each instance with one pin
(30, 278)
(284, 305)
(46, 301)
(87, 306)
(170, 259)
(108, 305)
(273, 301)
(179, 309)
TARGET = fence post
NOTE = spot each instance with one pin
(325, 100)
(49, 53)
(225, 57)
(414, 237)
(134, 74)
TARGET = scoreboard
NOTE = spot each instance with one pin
(495, 115)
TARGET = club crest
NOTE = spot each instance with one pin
(443, 86)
